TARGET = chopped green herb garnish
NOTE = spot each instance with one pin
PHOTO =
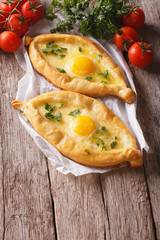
(49, 115)
(58, 116)
(46, 50)
(113, 144)
(100, 142)
(99, 57)
(105, 74)
(87, 151)
(54, 45)
(61, 70)
(53, 52)
(75, 112)
(89, 78)
(49, 44)
(115, 137)
(101, 129)
(62, 104)
(61, 49)
(80, 49)
(105, 82)
(49, 108)
(50, 48)
(61, 56)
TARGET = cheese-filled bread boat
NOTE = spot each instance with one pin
(77, 64)
(81, 128)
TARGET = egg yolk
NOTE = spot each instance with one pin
(82, 66)
(83, 125)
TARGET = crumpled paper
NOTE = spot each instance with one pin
(32, 84)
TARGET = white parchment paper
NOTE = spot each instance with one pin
(32, 84)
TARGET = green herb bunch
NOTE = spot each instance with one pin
(102, 21)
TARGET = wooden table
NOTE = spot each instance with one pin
(37, 202)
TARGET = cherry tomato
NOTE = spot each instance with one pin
(9, 41)
(7, 6)
(134, 19)
(21, 4)
(33, 11)
(126, 39)
(140, 54)
(17, 24)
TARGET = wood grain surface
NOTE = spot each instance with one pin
(37, 202)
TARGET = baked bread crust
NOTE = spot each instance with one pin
(75, 84)
(67, 145)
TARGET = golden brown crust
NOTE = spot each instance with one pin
(67, 145)
(64, 81)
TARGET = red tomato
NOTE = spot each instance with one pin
(21, 4)
(140, 54)
(17, 24)
(134, 19)
(128, 37)
(7, 6)
(32, 11)
(9, 41)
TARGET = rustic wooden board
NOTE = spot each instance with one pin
(27, 206)
(79, 208)
(147, 82)
(37, 202)
(1, 187)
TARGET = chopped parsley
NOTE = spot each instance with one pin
(105, 82)
(61, 105)
(101, 129)
(49, 112)
(99, 57)
(113, 144)
(105, 74)
(80, 49)
(100, 142)
(89, 78)
(87, 151)
(49, 44)
(61, 70)
(58, 117)
(75, 112)
(61, 49)
(49, 108)
(49, 115)
(46, 51)
(51, 48)
(61, 56)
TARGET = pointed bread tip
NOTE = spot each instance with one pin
(28, 40)
(128, 95)
(17, 105)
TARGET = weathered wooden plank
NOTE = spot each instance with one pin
(1, 183)
(27, 199)
(79, 207)
(148, 85)
(127, 204)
